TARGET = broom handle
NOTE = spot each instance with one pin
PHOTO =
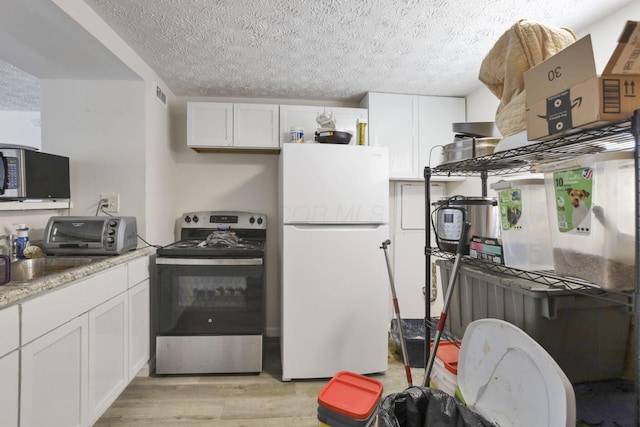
(447, 300)
(396, 306)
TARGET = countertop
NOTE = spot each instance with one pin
(15, 293)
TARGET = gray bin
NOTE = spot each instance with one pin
(586, 336)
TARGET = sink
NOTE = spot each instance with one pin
(28, 269)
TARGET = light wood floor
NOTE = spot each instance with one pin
(232, 400)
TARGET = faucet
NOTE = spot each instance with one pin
(11, 245)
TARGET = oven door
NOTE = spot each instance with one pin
(204, 296)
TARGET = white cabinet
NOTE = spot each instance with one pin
(54, 379)
(139, 312)
(214, 125)
(9, 392)
(393, 122)
(209, 124)
(410, 126)
(304, 117)
(436, 114)
(255, 126)
(9, 365)
(138, 327)
(108, 354)
(9, 329)
(45, 312)
(81, 345)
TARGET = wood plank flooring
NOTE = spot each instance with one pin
(232, 400)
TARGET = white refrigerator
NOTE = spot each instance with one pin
(335, 297)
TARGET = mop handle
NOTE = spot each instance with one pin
(396, 307)
(447, 300)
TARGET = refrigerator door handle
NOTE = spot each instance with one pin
(328, 227)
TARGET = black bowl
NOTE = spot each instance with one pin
(333, 137)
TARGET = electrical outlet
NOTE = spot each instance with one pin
(112, 202)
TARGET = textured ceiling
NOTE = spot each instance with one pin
(19, 91)
(327, 49)
(333, 50)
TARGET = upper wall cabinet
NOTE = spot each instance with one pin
(410, 126)
(304, 117)
(213, 126)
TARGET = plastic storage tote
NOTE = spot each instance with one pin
(349, 400)
(592, 215)
(444, 375)
(526, 237)
(586, 336)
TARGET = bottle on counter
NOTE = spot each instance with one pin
(22, 240)
(362, 124)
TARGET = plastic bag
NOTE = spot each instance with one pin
(426, 407)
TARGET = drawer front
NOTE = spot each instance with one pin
(9, 329)
(138, 270)
(48, 311)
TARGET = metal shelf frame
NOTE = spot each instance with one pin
(611, 137)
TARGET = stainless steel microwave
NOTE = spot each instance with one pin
(30, 174)
(90, 235)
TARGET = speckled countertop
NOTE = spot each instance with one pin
(13, 293)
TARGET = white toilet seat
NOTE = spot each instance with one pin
(508, 378)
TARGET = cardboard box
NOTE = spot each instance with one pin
(564, 94)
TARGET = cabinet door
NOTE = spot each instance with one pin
(138, 327)
(393, 120)
(9, 391)
(437, 114)
(54, 380)
(108, 354)
(137, 271)
(10, 329)
(298, 116)
(347, 120)
(255, 126)
(209, 124)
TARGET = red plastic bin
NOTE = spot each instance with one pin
(349, 400)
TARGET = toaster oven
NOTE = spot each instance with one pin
(90, 235)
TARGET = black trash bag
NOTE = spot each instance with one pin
(427, 407)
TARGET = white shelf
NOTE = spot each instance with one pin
(34, 205)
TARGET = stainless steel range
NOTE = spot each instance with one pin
(211, 292)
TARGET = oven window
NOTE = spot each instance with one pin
(210, 299)
(212, 292)
(77, 231)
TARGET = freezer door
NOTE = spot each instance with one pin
(336, 303)
(332, 184)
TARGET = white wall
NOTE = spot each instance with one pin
(155, 138)
(159, 180)
(99, 125)
(605, 32)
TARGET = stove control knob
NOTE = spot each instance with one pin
(187, 219)
(111, 232)
(252, 220)
(195, 218)
(113, 223)
(110, 240)
(259, 221)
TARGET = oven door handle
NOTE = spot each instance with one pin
(209, 261)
